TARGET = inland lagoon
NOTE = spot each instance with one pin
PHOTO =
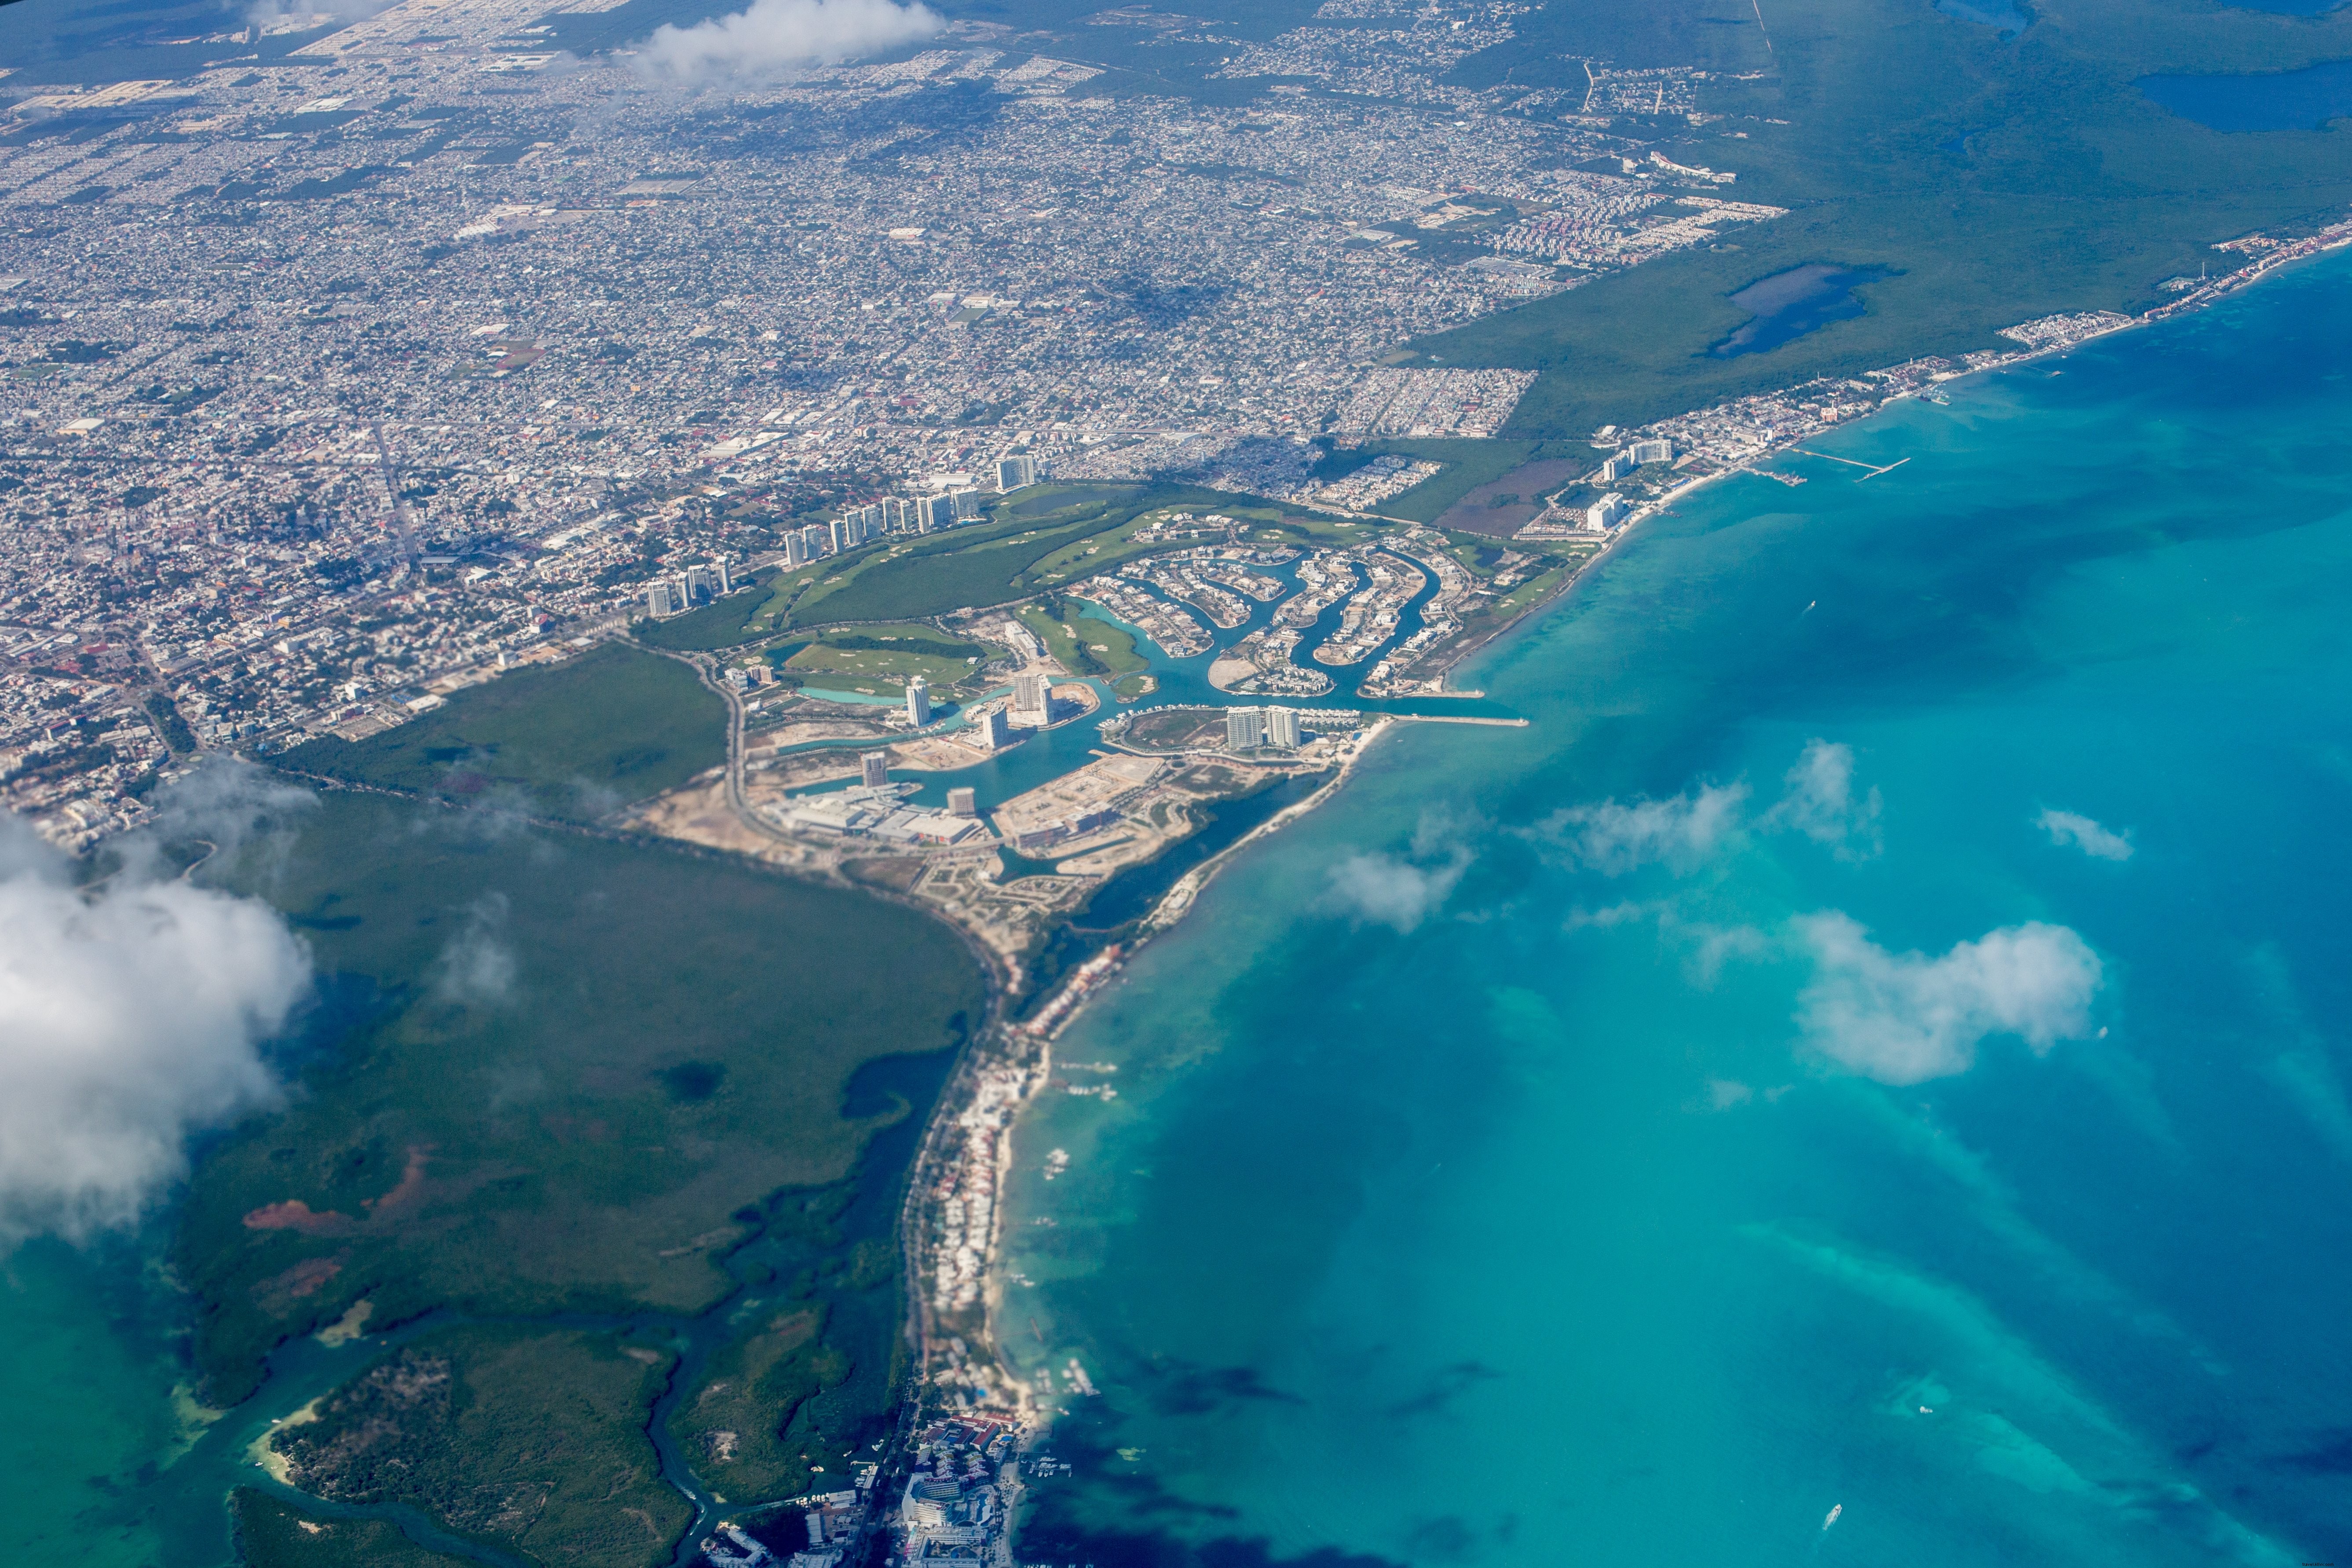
(1789, 304)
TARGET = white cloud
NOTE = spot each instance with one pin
(1617, 914)
(477, 967)
(1613, 838)
(2074, 827)
(1906, 1017)
(130, 1016)
(1707, 946)
(776, 38)
(227, 810)
(267, 15)
(1400, 891)
(1821, 803)
(1716, 947)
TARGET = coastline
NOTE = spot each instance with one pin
(1017, 1404)
(1032, 1055)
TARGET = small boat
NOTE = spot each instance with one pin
(1834, 1511)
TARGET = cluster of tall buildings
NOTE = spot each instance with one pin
(1248, 729)
(1633, 456)
(953, 1510)
(991, 730)
(695, 585)
(897, 515)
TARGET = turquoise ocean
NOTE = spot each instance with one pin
(1861, 1079)
(1876, 1042)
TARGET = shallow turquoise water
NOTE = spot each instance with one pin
(87, 1385)
(1539, 1227)
(1558, 1223)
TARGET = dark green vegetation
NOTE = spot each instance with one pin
(731, 1425)
(1995, 181)
(992, 564)
(270, 1535)
(807, 1384)
(529, 1440)
(575, 739)
(729, 621)
(170, 724)
(816, 1345)
(553, 1073)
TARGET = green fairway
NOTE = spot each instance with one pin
(932, 582)
(1996, 181)
(891, 654)
(1082, 640)
(983, 566)
(576, 739)
(1091, 554)
(1042, 503)
(888, 667)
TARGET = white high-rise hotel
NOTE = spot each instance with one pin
(1030, 706)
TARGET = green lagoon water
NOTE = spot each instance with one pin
(1491, 1178)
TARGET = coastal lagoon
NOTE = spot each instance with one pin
(1788, 305)
(1861, 1080)
(2304, 100)
(2004, 17)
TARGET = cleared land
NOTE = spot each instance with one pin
(1500, 507)
(1468, 464)
(1995, 181)
(575, 739)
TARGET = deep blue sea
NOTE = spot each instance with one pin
(1861, 1080)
